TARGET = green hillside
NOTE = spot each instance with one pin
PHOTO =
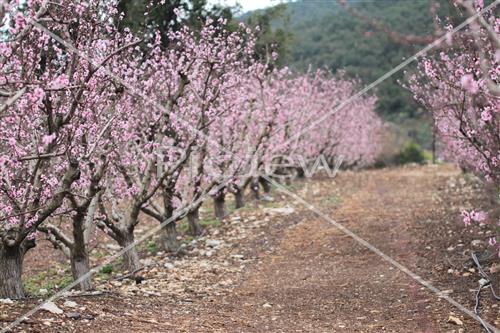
(324, 34)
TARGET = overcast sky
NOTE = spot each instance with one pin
(248, 4)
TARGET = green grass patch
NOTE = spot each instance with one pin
(105, 272)
(210, 222)
(271, 204)
(290, 187)
(411, 152)
(152, 247)
(427, 155)
(182, 226)
(51, 280)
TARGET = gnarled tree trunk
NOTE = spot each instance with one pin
(194, 222)
(300, 173)
(169, 240)
(130, 256)
(220, 205)
(11, 265)
(266, 186)
(168, 233)
(80, 268)
(238, 198)
(80, 262)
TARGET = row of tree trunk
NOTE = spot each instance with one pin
(76, 248)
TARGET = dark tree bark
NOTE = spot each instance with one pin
(300, 173)
(11, 268)
(170, 243)
(11, 261)
(220, 205)
(80, 262)
(168, 234)
(254, 186)
(239, 199)
(266, 186)
(434, 142)
(194, 222)
(130, 257)
(80, 268)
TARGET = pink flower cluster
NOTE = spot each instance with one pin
(473, 216)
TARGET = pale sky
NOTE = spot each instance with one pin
(248, 4)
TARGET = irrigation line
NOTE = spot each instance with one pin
(483, 283)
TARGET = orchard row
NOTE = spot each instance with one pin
(99, 127)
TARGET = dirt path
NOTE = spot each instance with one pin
(312, 278)
(320, 280)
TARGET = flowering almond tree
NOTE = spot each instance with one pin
(352, 132)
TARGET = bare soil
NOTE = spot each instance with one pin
(287, 270)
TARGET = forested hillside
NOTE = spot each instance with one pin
(324, 34)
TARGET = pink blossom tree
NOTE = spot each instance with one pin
(461, 89)
(97, 129)
(183, 84)
(60, 107)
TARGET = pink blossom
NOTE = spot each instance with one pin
(20, 21)
(468, 83)
(466, 218)
(37, 95)
(486, 116)
(60, 82)
(479, 216)
(48, 139)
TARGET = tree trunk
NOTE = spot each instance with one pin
(433, 143)
(11, 263)
(169, 238)
(80, 263)
(220, 205)
(130, 257)
(194, 222)
(300, 173)
(168, 233)
(255, 190)
(239, 199)
(80, 268)
(265, 185)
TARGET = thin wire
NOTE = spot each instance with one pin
(485, 276)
